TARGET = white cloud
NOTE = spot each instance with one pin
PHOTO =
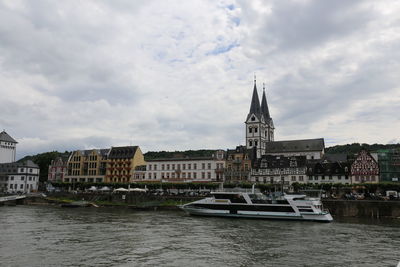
(171, 75)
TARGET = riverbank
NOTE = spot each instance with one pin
(145, 205)
(363, 208)
(337, 207)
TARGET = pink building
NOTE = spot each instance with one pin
(58, 169)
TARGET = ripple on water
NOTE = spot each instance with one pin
(51, 236)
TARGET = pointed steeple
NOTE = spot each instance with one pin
(255, 103)
(264, 106)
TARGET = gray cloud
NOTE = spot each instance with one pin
(178, 75)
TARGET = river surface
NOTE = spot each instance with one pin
(54, 236)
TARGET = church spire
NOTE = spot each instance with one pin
(255, 102)
(264, 106)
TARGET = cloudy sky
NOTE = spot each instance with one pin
(178, 75)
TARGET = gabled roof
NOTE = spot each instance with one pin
(295, 145)
(122, 152)
(5, 137)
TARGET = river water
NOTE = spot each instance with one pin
(54, 236)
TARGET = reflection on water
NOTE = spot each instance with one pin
(52, 236)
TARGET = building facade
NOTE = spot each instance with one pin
(122, 162)
(259, 124)
(389, 165)
(19, 177)
(87, 166)
(364, 169)
(8, 148)
(279, 170)
(185, 169)
(58, 169)
(329, 172)
(238, 164)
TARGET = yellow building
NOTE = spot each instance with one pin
(238, 164)
(122, 162)
(87, 166)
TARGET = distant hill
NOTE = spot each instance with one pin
(43, 160)
(357, 147)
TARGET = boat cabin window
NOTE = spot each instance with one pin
(299, 198)
(234, 198)
(258, 198)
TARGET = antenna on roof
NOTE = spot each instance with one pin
(255, 78)
(263, 86)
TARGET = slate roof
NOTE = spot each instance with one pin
(328, 168)
(264, 107)
(335, 157)
(122, 152)
(255, 104)
(11, 167)
(5, 137)
(295, 145)
(280, 162)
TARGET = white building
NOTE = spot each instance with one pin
(19, 177)
(210, 169)
(279, 170)
(7, 148)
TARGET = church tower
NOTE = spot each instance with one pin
(259, 124)
(255, 124)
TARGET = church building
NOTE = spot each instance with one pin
(260, 134)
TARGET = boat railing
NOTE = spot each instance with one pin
(236, 190)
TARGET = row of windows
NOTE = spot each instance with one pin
(366, 178)
(255, 130)
(90, 180)
(183, 175)
(251, 143)
(92, 158)
(7, 147)
(22, 178)
(178, 166)
(330, 177)
(277, 171)
(21, 186)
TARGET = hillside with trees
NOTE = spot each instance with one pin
(357, 147)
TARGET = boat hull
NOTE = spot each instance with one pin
(323, 217)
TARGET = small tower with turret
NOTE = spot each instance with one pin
(7, 148)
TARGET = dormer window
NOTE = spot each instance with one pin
(253, 118)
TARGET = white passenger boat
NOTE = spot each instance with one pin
(257, 205)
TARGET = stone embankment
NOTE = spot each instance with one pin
(363, 208)
(337, 207)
